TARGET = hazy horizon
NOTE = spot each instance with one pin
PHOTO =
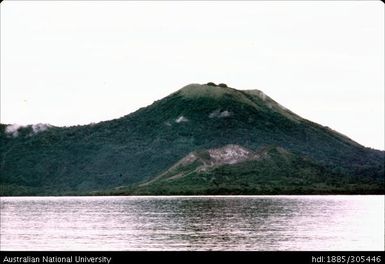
(321, 60)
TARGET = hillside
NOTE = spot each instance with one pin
(233, 169)
(134, 149)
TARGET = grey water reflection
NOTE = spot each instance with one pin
(193, 223)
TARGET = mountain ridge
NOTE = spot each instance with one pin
(234, 169)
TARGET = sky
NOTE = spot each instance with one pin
(67, 63)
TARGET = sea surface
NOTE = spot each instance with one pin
(220, 223)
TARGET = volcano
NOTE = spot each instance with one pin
(201, 139)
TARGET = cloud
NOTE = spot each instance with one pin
(40, 127)
(219, 114)
(181, 119)
(14, 129)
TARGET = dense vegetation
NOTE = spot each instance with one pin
(138, 147)
(277, 173)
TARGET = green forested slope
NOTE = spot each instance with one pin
(140, 146)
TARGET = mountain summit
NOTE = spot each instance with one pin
(125, 153)
(254, 98)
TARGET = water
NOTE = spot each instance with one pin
(193, 223)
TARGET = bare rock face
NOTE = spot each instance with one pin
(230, 154)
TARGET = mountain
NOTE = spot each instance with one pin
(127, 152)
(233, 169)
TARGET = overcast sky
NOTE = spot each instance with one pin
(67, 63)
